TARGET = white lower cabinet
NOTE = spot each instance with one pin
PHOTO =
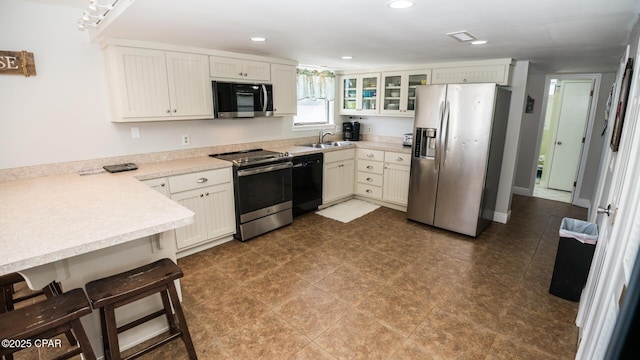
(160, 185)
(209, 194)
(383, 175)
(369, 177)
(395, 187)
(337, 175)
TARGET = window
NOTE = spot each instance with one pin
(315, 89)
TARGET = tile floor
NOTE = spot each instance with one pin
(382, 287)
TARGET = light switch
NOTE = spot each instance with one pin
(135, 132)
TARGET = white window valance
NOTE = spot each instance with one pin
(316, 84)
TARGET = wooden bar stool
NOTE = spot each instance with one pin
(7, 297)
(109, 293)
(46, 319)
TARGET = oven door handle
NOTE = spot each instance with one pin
(264, 169)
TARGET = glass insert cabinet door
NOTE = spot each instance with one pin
(350, 88)
(359, 94)
(369, 93)
(399, 91)
(413, 81)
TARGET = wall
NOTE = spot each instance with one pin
(597, 139)
(528, 142)
(529, 131)
(380, 125)
(62, 114)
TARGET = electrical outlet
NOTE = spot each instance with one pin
(368, 129)
(185, 140)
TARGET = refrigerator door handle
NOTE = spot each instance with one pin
(436, 163)
(444, 134)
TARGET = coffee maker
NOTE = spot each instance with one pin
(351, 131)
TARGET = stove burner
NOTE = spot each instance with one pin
(252, 157)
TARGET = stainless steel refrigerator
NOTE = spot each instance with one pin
(458, 141)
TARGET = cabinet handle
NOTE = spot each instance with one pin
(175, 110)
(201, 195)
(162, 185)
(369, 191)
(464, 80)
(369, 179)
(369, 167)
(370, 155)
(206, 194)
(245, 74)
(240, 73)
(168, 111)
(202, 180)
(399, 159)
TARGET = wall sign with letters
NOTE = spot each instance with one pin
(17, 63)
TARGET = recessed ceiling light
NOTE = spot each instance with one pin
(462, 36)
(347, 57)
(479, 42)
(401, 4)
(258, 39)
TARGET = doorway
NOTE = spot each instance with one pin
(568, 107)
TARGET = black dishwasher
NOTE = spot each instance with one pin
(307, 183)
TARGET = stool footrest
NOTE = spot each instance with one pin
(140, 321)
(153, 347)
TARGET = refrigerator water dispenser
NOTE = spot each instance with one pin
(425, 143)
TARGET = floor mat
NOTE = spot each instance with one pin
(348, 210)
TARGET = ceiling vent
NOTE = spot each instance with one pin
(462, 36)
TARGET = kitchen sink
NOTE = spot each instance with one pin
(328, 145)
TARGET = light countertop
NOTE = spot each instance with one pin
(49, 218)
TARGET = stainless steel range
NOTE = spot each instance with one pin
(262, 189)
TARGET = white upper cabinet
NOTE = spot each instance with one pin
(399, 91)
(230, 68)
(152, 85)
(359, 94)
(189, 87)
(499, 73)
(283, 79)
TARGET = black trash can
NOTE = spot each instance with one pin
(573, 259)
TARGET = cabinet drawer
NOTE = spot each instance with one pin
(368, 178)
(369, 190)
(397, 158)
(198, 180)
(375, 155)
(370, 166)
(333, 156)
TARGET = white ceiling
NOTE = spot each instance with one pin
(556, 35)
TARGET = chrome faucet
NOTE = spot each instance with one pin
(322, 135)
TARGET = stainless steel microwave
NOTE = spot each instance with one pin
(242, 100)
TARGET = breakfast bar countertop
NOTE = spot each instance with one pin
(50, 218)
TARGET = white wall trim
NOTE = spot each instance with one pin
(502, 217)
(517, 190)
(582, 202)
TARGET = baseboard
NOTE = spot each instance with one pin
(584, 203)
(202, 247)
(382, 203)
(502, 217)
(521, 191)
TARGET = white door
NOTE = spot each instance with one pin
(572, 120)
(619, 236)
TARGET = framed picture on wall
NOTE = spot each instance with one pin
(622, 106)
